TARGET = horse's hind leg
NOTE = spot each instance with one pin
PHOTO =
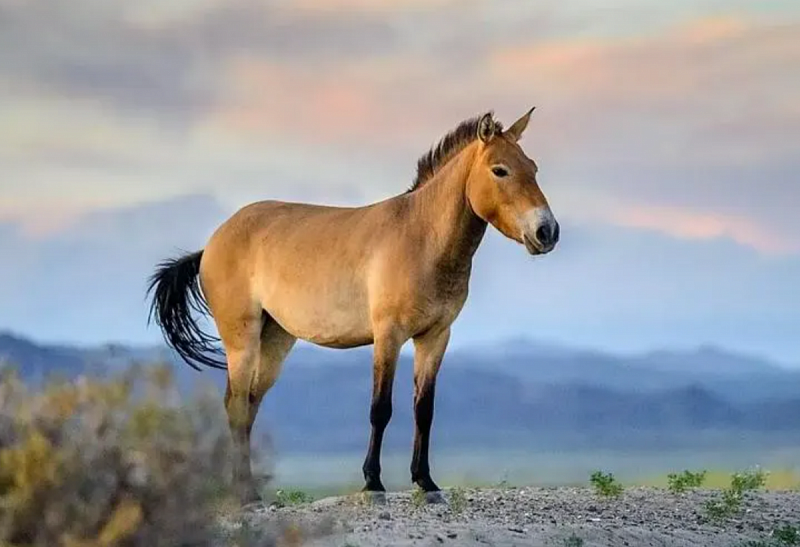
(255, 354)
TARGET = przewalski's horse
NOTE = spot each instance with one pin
(343, 277)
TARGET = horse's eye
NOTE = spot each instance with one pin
(500, 171)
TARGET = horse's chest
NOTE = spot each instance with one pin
(440, 299)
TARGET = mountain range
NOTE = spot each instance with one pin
(515, 393)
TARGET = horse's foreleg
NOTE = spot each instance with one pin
(387, 348)
(428, 352)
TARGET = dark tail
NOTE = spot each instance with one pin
(176, 294)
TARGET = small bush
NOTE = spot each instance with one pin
(285, 498)
(605, 485)
(787, 535)
(458, 500)
(728, 504)
(730, 501)
(748, 480)
(117, 462)
(573, 541)
(681, 482)
(418, 497)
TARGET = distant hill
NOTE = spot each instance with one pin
(515, 394)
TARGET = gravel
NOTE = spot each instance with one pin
(566, 517)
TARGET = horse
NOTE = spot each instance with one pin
(343, 277)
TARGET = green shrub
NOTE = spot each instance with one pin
(573, 541)
(458, 500)
(106, 463)
(748, 480)
(681, 482)
(730, 501)
(418, 497)
(285, 498)
(787, 535)
(606, 485)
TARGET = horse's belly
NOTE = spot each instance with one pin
(336, 322)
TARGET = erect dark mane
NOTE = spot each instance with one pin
(451, 144)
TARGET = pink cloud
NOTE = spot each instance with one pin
(687, 224)
(713, 76)
(369, 6)
(690, 66)
(647, 116)
(41, 221)
(351, 104)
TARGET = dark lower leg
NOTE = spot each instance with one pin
(380, 414)
(429, 349)
(423, 416)
(385, 360)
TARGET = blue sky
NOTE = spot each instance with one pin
(666, 134)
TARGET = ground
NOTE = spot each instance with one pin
(563, 517)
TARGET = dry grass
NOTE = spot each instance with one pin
(119, 462)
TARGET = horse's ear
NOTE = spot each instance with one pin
(516, 130)
(486, 127)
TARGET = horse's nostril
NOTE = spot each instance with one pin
(543, 234)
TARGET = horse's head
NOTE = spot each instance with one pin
(503, 191)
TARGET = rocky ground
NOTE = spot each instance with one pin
(563, 517)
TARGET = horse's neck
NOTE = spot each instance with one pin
(453, 231)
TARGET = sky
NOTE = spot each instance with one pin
(667, 137)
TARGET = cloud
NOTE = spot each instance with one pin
(682, 223)
(701, 119)
(372, 6)
(168, 65)
(140, 101)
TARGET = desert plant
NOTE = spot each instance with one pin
(681, 482)
(115, 462)
(458, 500)
(730, 501)
(726, 505)
(787, 535)
(748, 480)
(418, 497)
(573, 541)
(605, 485)
(285, 498)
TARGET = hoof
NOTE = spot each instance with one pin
(374, 497)
(434, 497)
